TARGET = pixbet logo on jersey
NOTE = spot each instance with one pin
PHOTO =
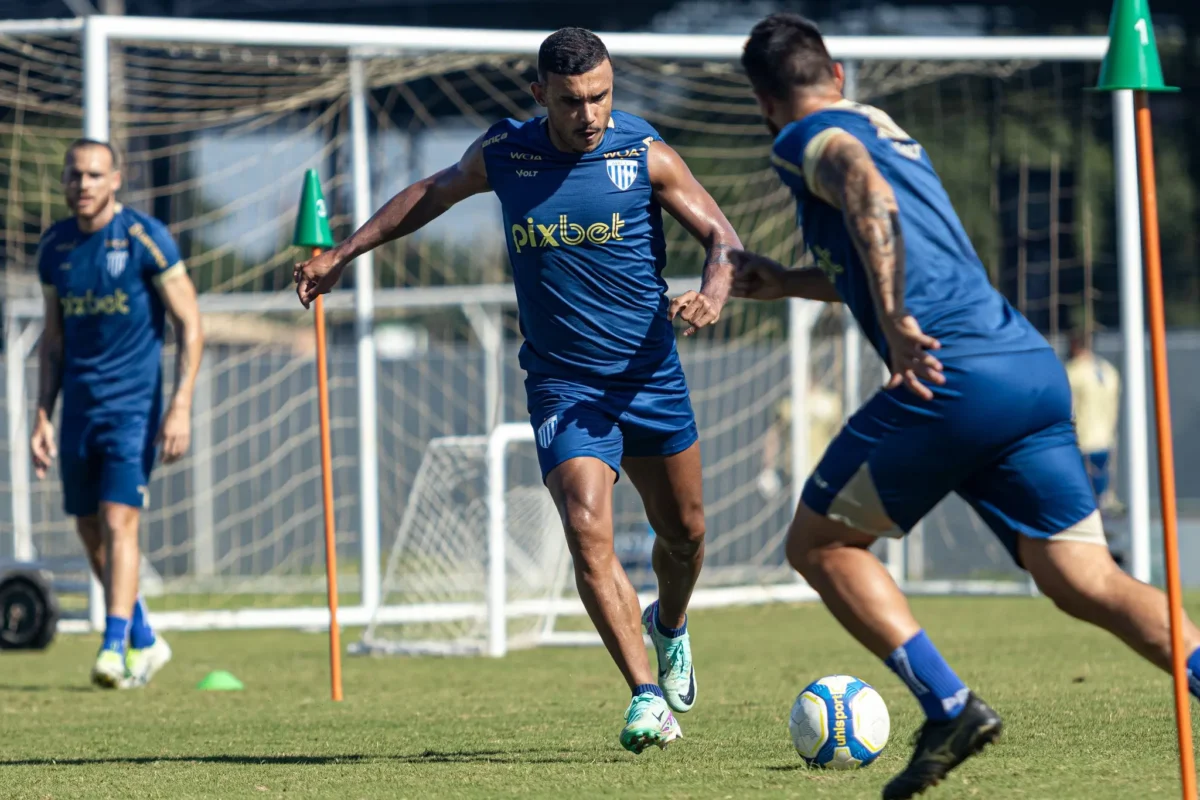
(565, 232)
(92, 305)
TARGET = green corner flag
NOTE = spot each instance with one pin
(312, 221)
(1132, 58)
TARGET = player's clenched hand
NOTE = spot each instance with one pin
(175, 434)
(695, 308)
(42, 446)
(757, 277)
(912, 364)
(317, 276)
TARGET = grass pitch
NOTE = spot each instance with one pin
(1085, 717)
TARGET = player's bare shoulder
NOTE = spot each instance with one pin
(665, 164)
(469, 176)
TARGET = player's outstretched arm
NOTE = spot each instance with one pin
(179, 297)
(760, 278)
(678, 191)
(843, 173)
(50, 362)
(409, 211)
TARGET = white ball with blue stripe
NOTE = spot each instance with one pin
(839, 722)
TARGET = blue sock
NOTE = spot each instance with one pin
(140, 633)
(939, 691)
(1194, 673)
(663, 630)
(115, 631)
(647, 688)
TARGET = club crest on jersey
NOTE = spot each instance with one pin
(117, 259)
(622, 172)
(546, 431)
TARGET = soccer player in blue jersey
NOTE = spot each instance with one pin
(582, 191)
(977, 404)
(109, 276)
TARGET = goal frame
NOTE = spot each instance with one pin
(97, 32)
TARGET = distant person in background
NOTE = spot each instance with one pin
(824, 421)
(1095, 400)
(111, 276)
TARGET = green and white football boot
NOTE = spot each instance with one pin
(676, 674)
(648, 721)
(109, 670)
(141, 665)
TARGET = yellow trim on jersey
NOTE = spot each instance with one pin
(178, 268)
(812, 154)
(138, 232)
(784, 164)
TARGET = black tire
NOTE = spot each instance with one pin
(29, 611)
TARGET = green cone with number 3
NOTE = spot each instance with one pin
(312, 220)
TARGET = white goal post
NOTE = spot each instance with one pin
(483, 305)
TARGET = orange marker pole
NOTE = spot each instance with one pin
(335, 644)
(1166, 455)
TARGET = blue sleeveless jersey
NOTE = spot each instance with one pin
(113, 317)
(585, 239)
(946, 286)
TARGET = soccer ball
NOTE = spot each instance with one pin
(839, 722)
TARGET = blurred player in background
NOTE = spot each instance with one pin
(1096, 403)
(1096, 407)
(824, 411)
(582, 191)
(109, 275)
(988, 416)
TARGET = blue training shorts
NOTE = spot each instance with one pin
(575, 418)
(106, 459)
(999, 433)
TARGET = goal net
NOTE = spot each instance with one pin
(215, 139)
(445, 593)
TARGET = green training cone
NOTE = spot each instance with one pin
(1132, 58)
(220, 681)
(312, 220)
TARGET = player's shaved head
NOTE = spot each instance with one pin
(79, 144)
(570, 51)
(785, 54)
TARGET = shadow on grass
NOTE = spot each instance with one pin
(37, 688)
(530, 756)
(554, 756)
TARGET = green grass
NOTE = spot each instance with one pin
(1085, 718)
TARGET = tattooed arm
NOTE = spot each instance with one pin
(678, 191)
(760, 278)
(842, 173)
